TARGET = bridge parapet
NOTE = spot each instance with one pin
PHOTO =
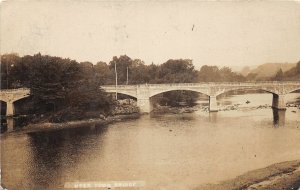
(12, 95)
(14, 90)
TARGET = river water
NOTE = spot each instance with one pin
(167, 152)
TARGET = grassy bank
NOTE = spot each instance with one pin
(283, 176)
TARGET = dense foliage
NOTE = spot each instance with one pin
(56, 84)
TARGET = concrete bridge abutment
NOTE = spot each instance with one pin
(144, 105)
(213, 106)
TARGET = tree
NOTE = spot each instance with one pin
(104, 74)
(51, 78)
(121, 63)
(9, 70)
(298, 67)
(177, 71)
(279, 75)
(138, 72)
(209, 74)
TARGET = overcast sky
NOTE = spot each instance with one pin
(213, 33)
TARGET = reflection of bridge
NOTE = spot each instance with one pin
(144, 92)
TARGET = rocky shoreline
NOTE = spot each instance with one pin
(283, 176)
(191, 109)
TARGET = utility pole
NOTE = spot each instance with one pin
(7, 75)
(116, 81)
(127, 77)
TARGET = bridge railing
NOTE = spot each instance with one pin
(14, 90)
(248, 83)
(119, 86)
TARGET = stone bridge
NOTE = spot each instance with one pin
(144, 92)
(12, 95)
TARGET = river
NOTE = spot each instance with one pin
(167, 152)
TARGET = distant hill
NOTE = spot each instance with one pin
(267, 70)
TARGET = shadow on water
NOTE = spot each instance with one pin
(279, 118)
(59, 151)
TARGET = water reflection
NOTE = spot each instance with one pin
(204, 147)
(9, 124)
(58, 151)
(279, 118)
(213, 117)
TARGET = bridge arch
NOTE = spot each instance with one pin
(131, 96)
(131, 93)
(293, 90)
(193, 96)
(3, 107)
(272, 91)
(161, 91)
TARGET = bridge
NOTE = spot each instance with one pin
(12, 95)
(144, 92)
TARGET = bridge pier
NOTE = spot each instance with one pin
(10, 109)
(144, 105)
(213, 107)
(279, 102)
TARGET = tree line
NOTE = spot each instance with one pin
(63, 82)
(292, 74)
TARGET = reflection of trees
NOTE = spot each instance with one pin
(55, 153)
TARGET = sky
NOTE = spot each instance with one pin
(240, 33)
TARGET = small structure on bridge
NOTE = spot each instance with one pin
(12, 95)
(144, 92)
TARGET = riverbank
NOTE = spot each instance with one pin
(46, 126)
(72, 118)
(283, 176)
